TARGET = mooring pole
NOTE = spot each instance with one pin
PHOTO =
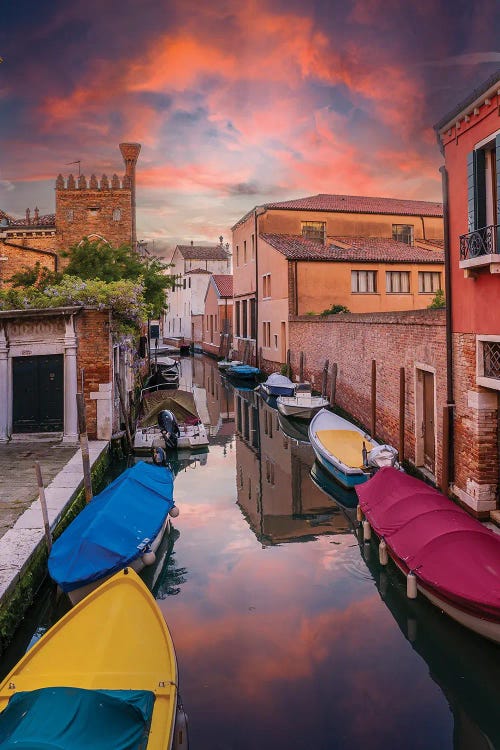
(333, 387)
(374, 397)
(402, 399)
(288, 367)
(301, 371)
(43, 503)
(84, 445)
(121, 396)
(325, 378)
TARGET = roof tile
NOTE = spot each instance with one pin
(361, 204)
(203, 252)
(224, 284)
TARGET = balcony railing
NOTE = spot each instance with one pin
(479, 243)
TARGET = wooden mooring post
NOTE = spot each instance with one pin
(333, 387)
(43, 503)
(402, 400)
(301, 367)
(324, 385)
(288, 365)
(126, 415)
(84, 445)
(374, 398)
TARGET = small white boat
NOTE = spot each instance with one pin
(303, 405)
(191, 436)
(192, 431)
(346, 451)
(224, 364)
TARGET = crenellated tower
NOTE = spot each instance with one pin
(101, 209)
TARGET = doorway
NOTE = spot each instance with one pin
(38, 393)
(425, 422)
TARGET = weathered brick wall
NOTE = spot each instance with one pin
(18, 257)
(475, 430)
(87, 212)
(393, 340)
(95, 353)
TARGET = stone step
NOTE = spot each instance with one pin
(495, 516)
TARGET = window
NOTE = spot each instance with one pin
(266, 334)
(275, 340)
(117, 214)
(244, 321)
(397, 282)
(184, 283)
(253, 246)
(314, 230)
(266, 285)
(429, 282)
(189, 282)
(237, 255)
(237, 317)
(483, 185)
(244, 251)
(363, 282)
(70, 214)
(488, 361)
(403, 233)
(253, 322)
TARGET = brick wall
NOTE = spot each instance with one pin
(393, 340)
(17, 257)
(95, 357)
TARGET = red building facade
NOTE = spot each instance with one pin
(470, 141)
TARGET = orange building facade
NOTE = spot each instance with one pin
(303, 257)
(218, 312)
(470, 142)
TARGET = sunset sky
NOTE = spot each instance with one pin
(234, 103)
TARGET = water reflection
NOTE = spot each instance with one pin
(287, 645)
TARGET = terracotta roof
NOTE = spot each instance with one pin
(49, 220)
(198, 270)
(361, 205)
(359, 249)
(223, 284)
(201, 252)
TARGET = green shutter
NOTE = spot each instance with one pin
(476, 189)
(471, 203)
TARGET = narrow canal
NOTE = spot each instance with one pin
(287, 632)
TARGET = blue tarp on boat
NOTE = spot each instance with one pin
(68, 718)
(115, 528)
(243, 371)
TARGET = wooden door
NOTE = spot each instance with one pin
(38, 393)
(428, 426)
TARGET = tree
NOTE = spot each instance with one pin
(439, 301)
(36, 276)
(334, 310)
(99, 260)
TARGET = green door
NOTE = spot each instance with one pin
(38, 393)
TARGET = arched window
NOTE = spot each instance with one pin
(117, 214)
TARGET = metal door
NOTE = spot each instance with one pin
(428, 426)
(38, 393)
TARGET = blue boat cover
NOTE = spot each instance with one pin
(115, 528)
(68, 718)
(243, 370)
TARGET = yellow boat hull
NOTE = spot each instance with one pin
(114, 639)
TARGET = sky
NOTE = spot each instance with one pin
(235, 103)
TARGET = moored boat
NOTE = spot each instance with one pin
(346, 451)
(122, 526)
(447, 555)
(224, 364)
(105, 675)
(302, 405)
(243, 372)
(192, 434)
(278, 385)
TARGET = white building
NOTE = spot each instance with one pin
(192, 266)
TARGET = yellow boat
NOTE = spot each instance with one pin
(105, 675)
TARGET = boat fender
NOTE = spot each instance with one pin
(180, 741)
(174, 511)
(149, 557)
(383, 555)
(411, 585)
(359, 513)
(367, 532)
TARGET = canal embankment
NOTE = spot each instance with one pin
(23, 546)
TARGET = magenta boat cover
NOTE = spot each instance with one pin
(449, 551)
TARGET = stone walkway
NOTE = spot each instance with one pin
(18, 486)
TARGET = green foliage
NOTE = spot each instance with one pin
(97, 275)
(285, 370)
(334, 310)
(438, 302)
(36, 276)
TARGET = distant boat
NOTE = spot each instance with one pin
(224, 364)
(243, 372)
(346, 451)
(452, 558)
(105, 675)
(302, 405)
(278, 385)
(120, 527)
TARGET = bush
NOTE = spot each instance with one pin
(334, 310)
(438, 302)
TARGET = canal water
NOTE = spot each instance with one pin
(288, 633)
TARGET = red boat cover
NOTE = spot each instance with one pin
(449, 551)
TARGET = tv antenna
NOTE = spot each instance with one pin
(78, 161)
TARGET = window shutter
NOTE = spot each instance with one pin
(497, 148)
(471, 204)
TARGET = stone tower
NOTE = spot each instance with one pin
(130, 153)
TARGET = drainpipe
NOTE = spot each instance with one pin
(450, 403)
